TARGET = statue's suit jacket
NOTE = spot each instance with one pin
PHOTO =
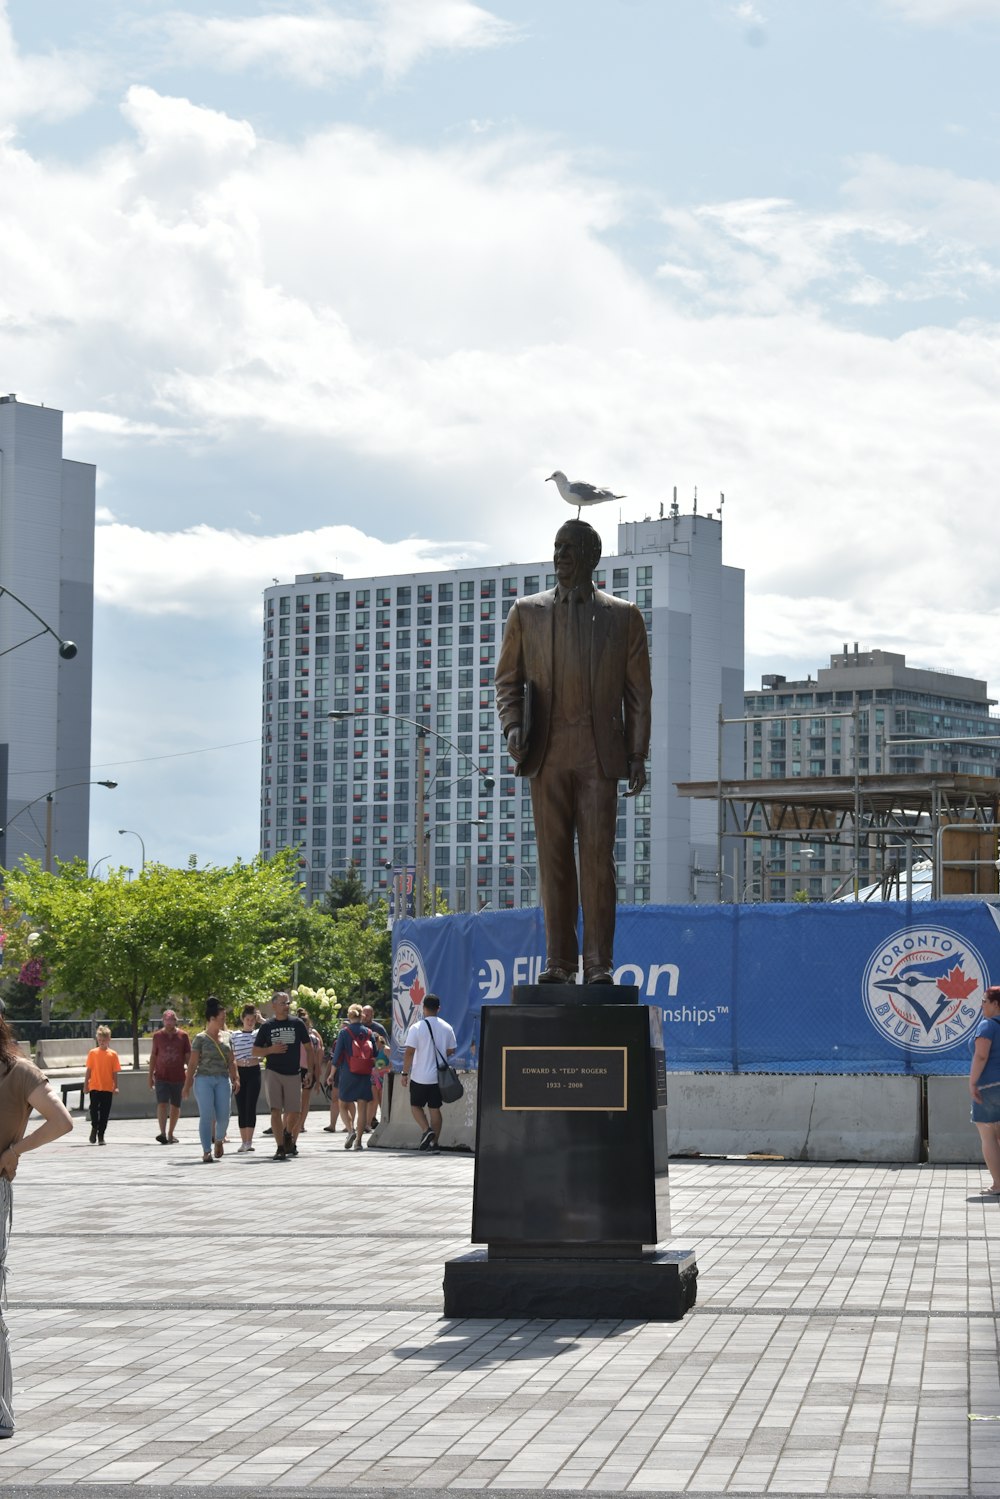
(619, 678)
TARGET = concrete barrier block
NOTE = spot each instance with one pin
(814, 1118)
(458, 1120)
(53, 1053)
(951, 1136)
(135, 1099)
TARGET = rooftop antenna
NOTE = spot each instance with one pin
(696, 499)
(722, 501)
(675, 509)
(661, 509)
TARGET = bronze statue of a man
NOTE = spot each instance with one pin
(574, 695)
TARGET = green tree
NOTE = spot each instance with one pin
(349, 952)
(345, 890)
(125, 946)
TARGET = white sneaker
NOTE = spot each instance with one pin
(243, 1149)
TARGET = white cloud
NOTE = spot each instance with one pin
(326, 43)
(907, 235)
(206, 573)
(804, 632)
(47, 86)
(83, 426)
(457, 317)
(943, 12)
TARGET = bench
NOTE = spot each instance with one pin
(72, 1085)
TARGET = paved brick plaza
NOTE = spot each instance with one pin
(250, 1326)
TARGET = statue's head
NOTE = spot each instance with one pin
(576, 553)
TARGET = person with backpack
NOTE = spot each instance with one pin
(354, 1056)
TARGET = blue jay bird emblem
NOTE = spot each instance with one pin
(929, 989)
(922, 988)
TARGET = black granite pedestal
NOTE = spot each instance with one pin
(571, 1190)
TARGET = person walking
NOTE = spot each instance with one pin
(381, 1050)
(248, 1068)
(354, 1056)
(22, 1088)
(331, 1083)
(310, 1067)
(167, 1062)
(280, 1040)
(101, 1081)
(211, 1071)
(984, 1085)
(426, 1040)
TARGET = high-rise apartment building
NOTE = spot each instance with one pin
(423, 647)
(47, 559)
(807, 729)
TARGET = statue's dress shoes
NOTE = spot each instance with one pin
(553, 975)
(598, 976)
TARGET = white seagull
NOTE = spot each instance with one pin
(580, 494)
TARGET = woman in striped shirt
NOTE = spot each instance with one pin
(249, 1069)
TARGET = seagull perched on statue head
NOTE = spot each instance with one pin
(579, 494)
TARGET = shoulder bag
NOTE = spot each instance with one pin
(449, 1082)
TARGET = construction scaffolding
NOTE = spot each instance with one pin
(896, 820)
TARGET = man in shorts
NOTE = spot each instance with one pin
(280, 1041)
(167, 1061)
(424, 1040)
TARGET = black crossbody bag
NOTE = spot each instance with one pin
(449, 1082)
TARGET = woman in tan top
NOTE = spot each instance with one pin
(22, 1088)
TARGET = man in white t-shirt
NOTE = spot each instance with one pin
(425, 1040)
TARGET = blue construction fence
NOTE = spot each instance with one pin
(890, 987)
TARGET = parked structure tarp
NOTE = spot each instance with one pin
(891, 987)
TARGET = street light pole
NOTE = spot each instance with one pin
(49, 797)
(141, 843)
(421, 849)
(67, 649)
(342, 715)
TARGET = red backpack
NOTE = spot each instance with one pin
(362, 1054)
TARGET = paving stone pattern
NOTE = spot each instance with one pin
(251, 1327)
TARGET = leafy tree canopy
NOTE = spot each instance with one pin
(345, 890)
(124, 946)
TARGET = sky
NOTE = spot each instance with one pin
(336, 285)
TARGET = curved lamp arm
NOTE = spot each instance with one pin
(67, 649)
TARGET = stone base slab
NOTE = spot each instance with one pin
(659, 1287)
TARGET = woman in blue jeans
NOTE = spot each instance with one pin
(211, 1071)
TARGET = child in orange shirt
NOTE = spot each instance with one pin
(101, 1081)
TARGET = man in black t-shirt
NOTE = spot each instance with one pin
(368, 1019)
(281, 1041)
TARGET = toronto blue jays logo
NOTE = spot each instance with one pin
(409, 985)
(924, 987)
